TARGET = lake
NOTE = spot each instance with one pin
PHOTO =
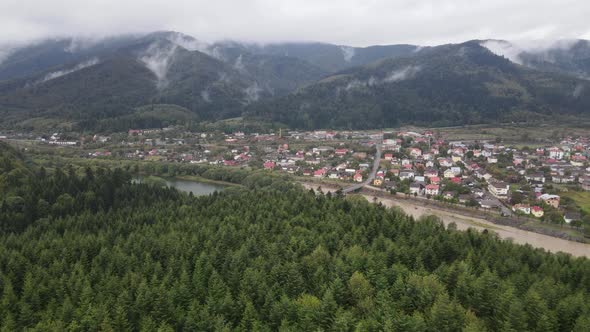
(197, 188)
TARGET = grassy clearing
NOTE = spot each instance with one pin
(581, 198)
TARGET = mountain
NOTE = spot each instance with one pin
(328, 57)
(561, 56)
(21, 61)
(159, 68)
(445, 85)
(166, 77)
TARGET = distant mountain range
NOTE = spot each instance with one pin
(167, 77)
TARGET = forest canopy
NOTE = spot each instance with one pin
(86, 249)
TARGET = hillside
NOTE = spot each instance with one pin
(29, 59)
(562, 56)
(328, 57)
(102, 84)
(161, 68)
(85, 249)
(444, 85)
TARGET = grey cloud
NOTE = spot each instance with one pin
(514, 49)
(345, 22)
(60, 73)
(157, 58)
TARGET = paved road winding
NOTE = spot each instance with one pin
(371, 176)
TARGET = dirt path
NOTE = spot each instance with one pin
(516, 235)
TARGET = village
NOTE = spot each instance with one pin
(550, 183)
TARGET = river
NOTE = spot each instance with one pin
(516, 235)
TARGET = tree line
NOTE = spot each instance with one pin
(120, 256)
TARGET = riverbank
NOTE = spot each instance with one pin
(463, 222)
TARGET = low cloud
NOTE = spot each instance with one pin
(578, 90)
(394, 76)
(347, 52)
(253, 92)
(188, 42)
(513, 50)
(60, 73)
(157, 59)
(239, 64)
(402, 74)
(205, 96)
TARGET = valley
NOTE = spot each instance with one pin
(154, 181)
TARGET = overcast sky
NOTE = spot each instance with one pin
(350, 22)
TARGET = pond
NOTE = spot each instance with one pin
(197, 188)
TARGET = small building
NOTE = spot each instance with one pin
(499, 189)
(551, 200)
(358, 177)
(523, 208)
(537, 211)
(416, 188)
(432, 189)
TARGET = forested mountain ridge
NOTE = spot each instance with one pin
(444, 85)
(160, 68)
(331, 58)
(561, 56)
(93, 85)
(103, 254)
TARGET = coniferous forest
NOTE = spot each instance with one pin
(88, 250)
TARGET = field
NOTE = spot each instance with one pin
(514, 134)
(581, 198)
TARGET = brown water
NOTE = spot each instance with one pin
(516, 235)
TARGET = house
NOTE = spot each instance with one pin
(435, 180)
(449, 174)
(359, 155)
(406, 175)
(358, 177)
(456, 180)
(388, 156)
(269, 165)
(341, 152)
(524, 208)
(478, 192)
(537, 211)
(488, 204)
(555, 153)
(552, 200)
(445, 162)
(320, 173)
(499, 189)
(432, 189)
(456, 170)
(464, 198)
(536, 177)
(416, 188)
(456, 158)
(492, 160)
(430, 173)
(415, 152)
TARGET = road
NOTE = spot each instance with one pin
(371, 176)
